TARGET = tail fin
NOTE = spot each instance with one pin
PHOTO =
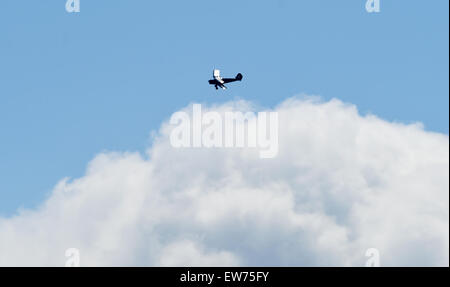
(239, 77)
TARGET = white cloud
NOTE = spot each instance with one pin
(341, 183)
(187, 253)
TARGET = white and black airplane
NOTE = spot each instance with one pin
(218, 81)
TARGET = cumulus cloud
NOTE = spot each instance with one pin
(340, 184)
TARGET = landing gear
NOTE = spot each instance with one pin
(216, 87)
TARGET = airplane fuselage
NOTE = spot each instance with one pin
(218, 81)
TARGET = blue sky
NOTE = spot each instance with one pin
(74, 85)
